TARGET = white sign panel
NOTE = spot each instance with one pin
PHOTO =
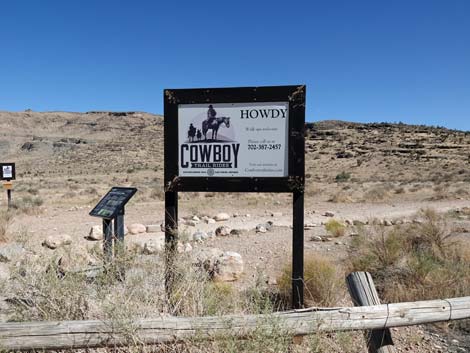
(7, 171)
(233, 139)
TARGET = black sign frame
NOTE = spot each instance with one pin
(293, 183)
(118, 209)
(13, 171)
(294, 95)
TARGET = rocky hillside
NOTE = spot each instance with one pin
(66, 144)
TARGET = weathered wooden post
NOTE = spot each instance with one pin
(363, 293)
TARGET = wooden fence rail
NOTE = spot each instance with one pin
(82, 334)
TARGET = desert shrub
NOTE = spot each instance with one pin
(342, 177)
(414, 262)
(340, 197)
(5, 220)
(376, 194)
(323, 281)
(335, 228)
(27, 204)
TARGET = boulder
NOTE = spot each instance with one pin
(222, 217)
(76, 259)
(11, 252)
(96, 233)
(221, 266)
(137, 228)
(229, 267)
(222, 231)
(56, 241)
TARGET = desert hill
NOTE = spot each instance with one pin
(397, 157)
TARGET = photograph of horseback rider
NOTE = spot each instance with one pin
(213, 123)
(211, 114)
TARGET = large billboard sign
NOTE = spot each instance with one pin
(235, 134)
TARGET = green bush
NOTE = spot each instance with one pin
(335, 228)
(342, 177)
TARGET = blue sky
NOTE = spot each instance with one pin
(361, 60)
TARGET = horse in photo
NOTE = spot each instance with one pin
(214, 126)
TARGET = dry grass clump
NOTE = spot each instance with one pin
(323, 281)
(5, 221)
(414, 262)
(376, 194)
(27, 204)
(341, 197)
(335, 228)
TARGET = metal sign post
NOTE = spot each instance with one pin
(248, 139)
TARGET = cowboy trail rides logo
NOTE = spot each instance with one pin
(205, 148)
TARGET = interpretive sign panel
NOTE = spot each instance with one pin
(113, 202)
(235, 139)
(7, 171)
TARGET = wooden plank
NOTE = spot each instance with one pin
(363, 293)
(94, 333)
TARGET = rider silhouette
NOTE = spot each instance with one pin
(211, 113)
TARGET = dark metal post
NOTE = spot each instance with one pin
(119, 228)
(119, 244)
(9, 198)
(298, 250)
(171, 238)
(107, 240)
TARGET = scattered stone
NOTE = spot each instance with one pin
(153, 228)
(276, 214)
(261, 229)
(222, 217)
(387, 223)
(210, 221)
(316, 238)
(308, 226)
(137, 228)
(11, 252)
(236, 232)
(338, 243)
(349, 222)
(222, 231)
(96, 233)
(357, 222)
(328, 214)
(154, 246)
(187, 247)
(196, 219)
(56, 241)
(191, 223)
(199, 236)
(354, 234)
